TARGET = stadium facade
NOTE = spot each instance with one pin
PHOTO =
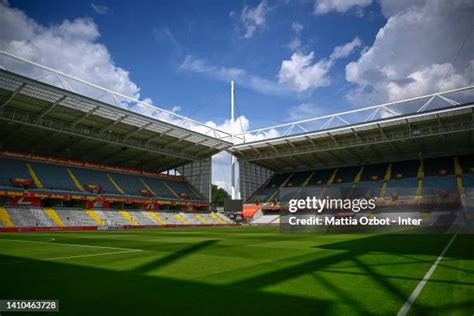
(413, 154)
(69, 146)
(77, 155)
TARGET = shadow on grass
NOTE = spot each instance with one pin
(392, 244)
(431, 245)
(90, 291)
(174, 256)
(338, 290)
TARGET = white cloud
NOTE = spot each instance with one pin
(392, 8)
(418, 51)
(297, 27)
(301, 73)
(149, 110)
(295, 42)
(70, 47)
(340, 6)
(345, 50)
(73, 48)
(304, 111)
(433, 78)
(252, 19)
(221, 162)
(100, 8)
(241, 76)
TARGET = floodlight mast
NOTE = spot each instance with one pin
(235, 190)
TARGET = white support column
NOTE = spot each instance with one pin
(235, 188)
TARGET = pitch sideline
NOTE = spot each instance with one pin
(414, 295)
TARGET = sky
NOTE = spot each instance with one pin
(290, 60)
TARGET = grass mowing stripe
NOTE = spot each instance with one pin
(73, 257)
(62, 244)
(406, 307)
(201, 271)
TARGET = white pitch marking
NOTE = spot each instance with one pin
(73, 257)
(61, 244)
(406, 307)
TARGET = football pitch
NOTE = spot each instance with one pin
(238, 271)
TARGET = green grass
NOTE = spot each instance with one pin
(238, 271)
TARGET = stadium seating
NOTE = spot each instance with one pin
(266, 219)
(433, 186)
(129, 217)
(157, 218)
(72, 217)
(467, 168)
(220, 218)
(402, 188)
(112, 218)
(320, 177)
(404, 179)
(54, 217)
(374, 172)
(12, 168)
(439, 176)
(159, 188)
(180, 187)
(401, 181)
(287, 193)
(435, 165)
(263, 195)
(143, 218)
(270, 191)
(30, 217)
(25, 218)
(341, 184)
(370, 182)
(367, 189)
(293, 185)
(57, 178)
(297, 179)
(170, 218)
(314, 190)
(5, 220)
(54, 177)
(277, 180)
(42, 218)
(76, 218)
(192, 219)
(95, 177)
(131, 185)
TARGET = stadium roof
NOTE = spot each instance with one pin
(42, 118)
(59, 115)
(433, 125)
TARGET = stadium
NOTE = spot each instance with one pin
(106, 205)
(413, 153)
(121, 185)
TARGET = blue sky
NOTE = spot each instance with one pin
(290, 59)
(152, 39)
